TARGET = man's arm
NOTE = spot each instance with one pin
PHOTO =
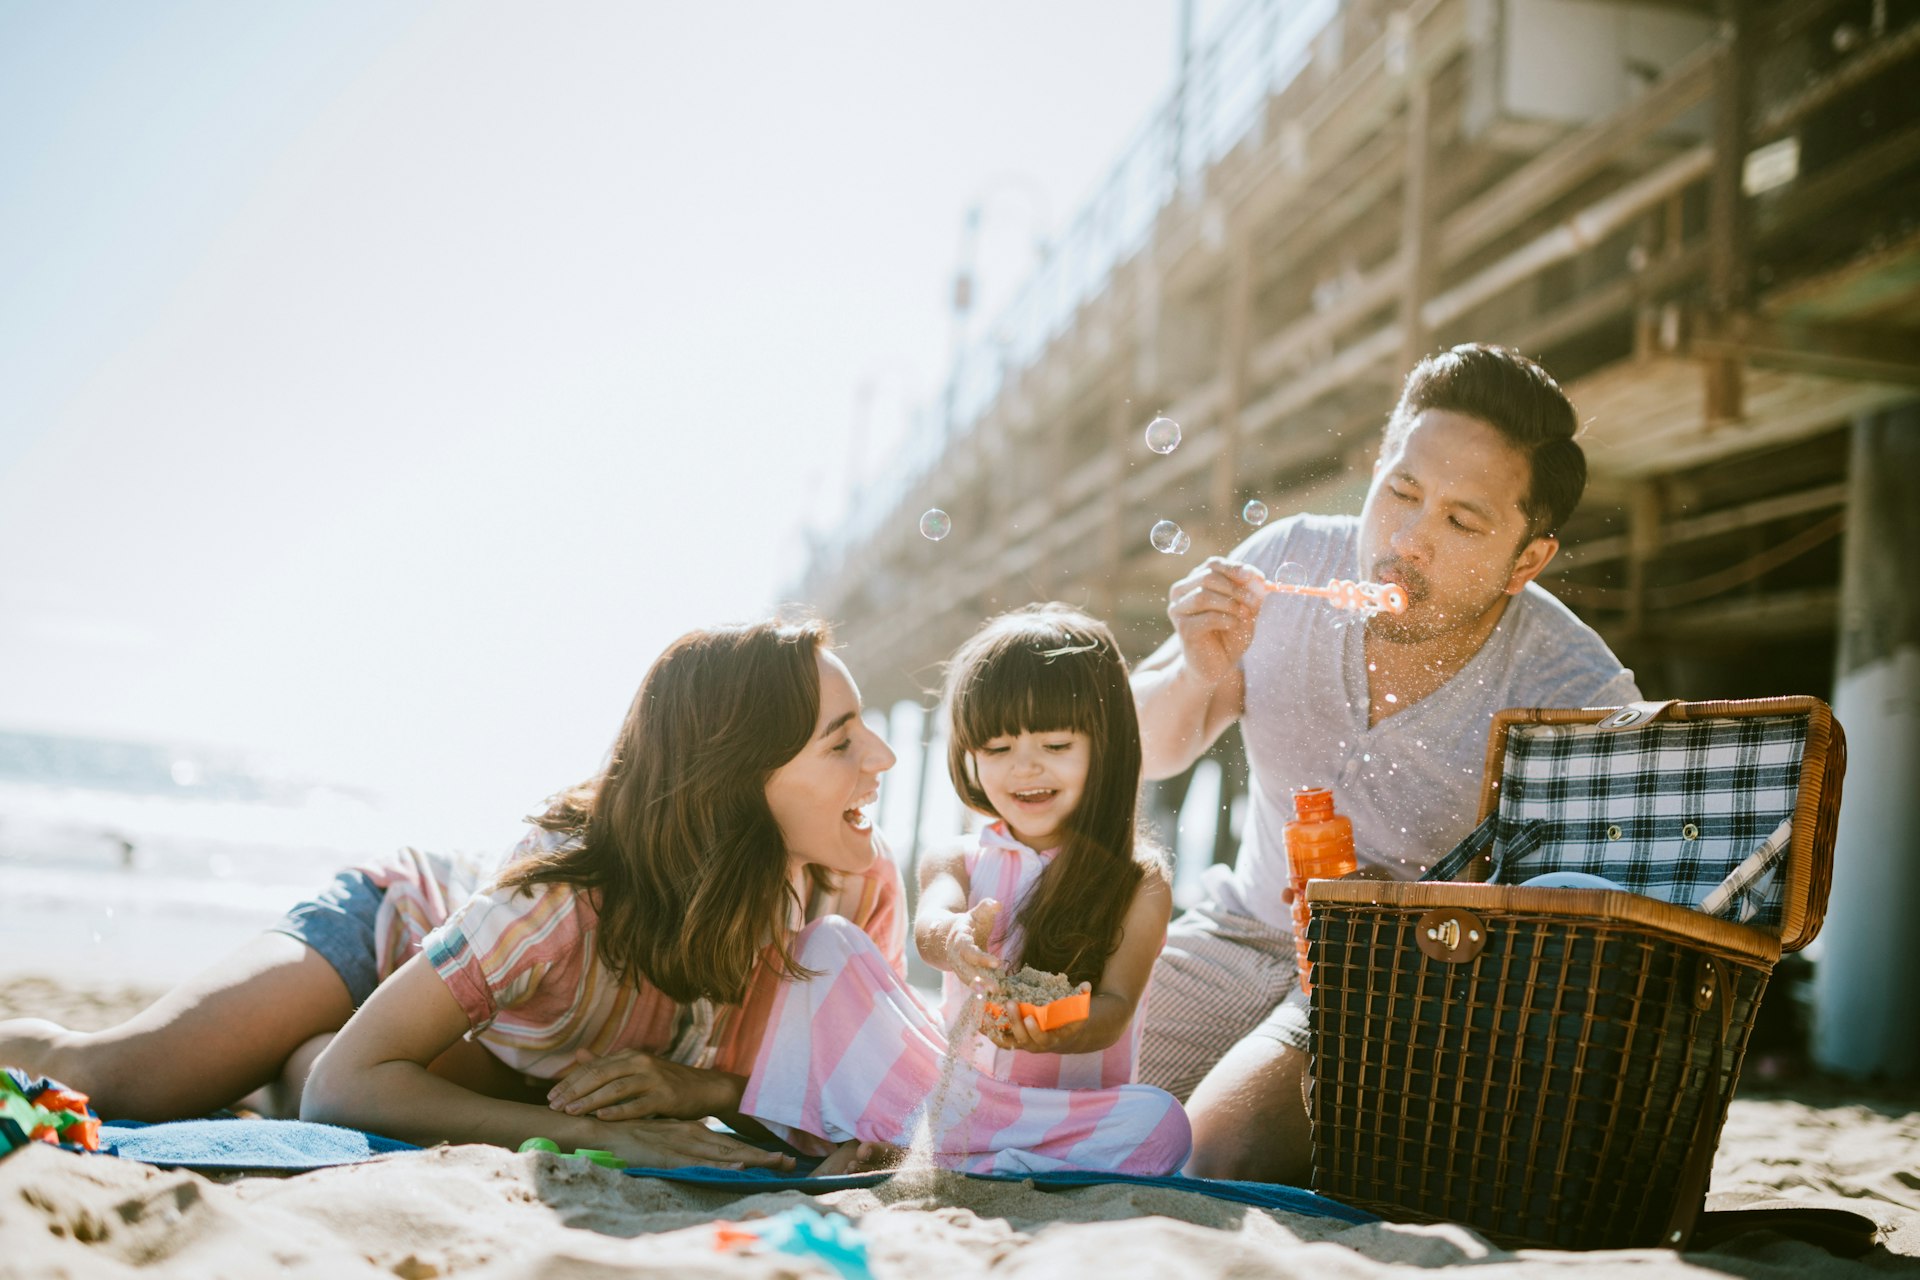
(1180, 714)
(1191, 689)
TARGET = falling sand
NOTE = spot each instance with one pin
(955, 1092)
(947, 1107)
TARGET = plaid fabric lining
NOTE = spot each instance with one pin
(1744, 895)
(1668, 810)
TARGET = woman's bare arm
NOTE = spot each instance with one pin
(374, 1076)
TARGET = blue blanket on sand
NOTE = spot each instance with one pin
(294, 1146)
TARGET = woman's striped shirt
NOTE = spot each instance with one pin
(523, 965)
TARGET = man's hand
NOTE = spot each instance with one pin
(631, 1085)
(1213, 610)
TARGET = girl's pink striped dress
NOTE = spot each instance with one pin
(1001, 868)
(854, 1053)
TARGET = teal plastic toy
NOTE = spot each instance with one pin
(605, 1159)
(804, 1232)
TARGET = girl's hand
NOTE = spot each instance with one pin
(671, 1144)
(967, 953)
(1025, 1034)
(631, 1085)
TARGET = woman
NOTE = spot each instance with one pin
(629, 948)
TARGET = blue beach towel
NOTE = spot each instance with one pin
(292, 1146)
(296, 1146)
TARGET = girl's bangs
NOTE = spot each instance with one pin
(1031, 684)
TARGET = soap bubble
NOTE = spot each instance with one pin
(935, 524)
(1254, 513)
(1169, 538)
(1163, 435)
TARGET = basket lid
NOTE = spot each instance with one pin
(1727, 807)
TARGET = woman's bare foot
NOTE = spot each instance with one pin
(859, 1157)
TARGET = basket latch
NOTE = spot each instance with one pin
(1635, 714)
(1451, 935)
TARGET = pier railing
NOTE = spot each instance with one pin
(1253, 52)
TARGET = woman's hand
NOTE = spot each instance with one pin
(1025, 1034)
(631, 1085)
(967, 954)
(854, 1156)
(670, 1144)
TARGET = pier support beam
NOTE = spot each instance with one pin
(1237, 329)
(1417, 227)
(1727, 241)
(1866, 1001)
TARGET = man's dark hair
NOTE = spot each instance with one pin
(1520, 400)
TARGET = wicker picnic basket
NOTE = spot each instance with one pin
(1552, 1066)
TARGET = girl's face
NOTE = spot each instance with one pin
(1035, 781)
(821, 797)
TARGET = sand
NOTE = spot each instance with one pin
(1029, 986)
(484, 1212)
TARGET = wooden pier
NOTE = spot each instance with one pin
(1396, 196)
(1704, 219)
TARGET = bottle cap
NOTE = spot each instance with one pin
(1311, 804)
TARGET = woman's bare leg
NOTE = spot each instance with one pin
(279, 1098)
(215, 1038)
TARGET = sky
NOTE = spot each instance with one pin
(383, 385)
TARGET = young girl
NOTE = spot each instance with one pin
(607, 988)
(1043, 740)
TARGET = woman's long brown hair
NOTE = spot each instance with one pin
(678, 847)
(1043, 669)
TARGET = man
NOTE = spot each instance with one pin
(1477, 473)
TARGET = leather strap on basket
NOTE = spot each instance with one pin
(1690, 1193)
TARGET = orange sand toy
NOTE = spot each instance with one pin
(1319, 847)
(1061, 1011)
(1387, 597)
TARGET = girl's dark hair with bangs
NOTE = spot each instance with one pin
(1040, 669)
(675, 839)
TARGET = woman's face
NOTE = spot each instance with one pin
(821, 798)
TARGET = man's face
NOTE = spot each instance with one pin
(1444, 520)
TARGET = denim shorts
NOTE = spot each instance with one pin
(338, 923)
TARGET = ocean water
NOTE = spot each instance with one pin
(138, 863)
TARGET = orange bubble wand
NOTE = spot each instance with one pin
(1344, 593)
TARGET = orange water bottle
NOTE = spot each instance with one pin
(1319, 847)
